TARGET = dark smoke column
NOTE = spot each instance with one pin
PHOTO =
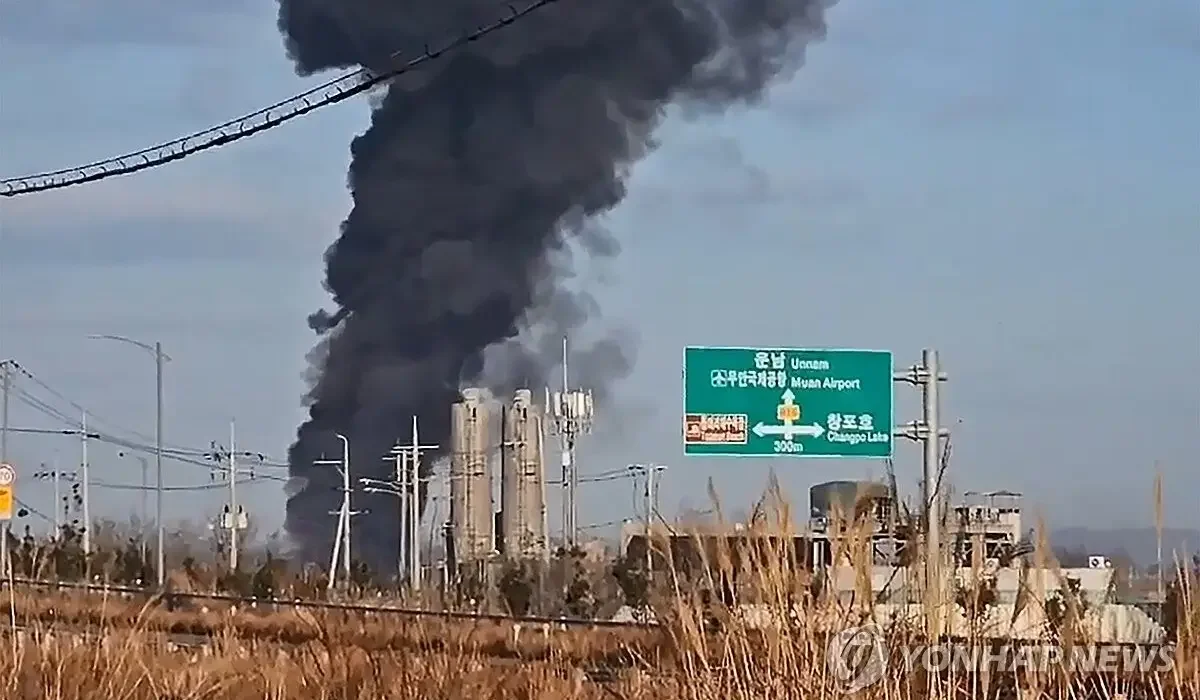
(475, 170)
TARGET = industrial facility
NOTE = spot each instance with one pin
(473, 439)
(496, 446)
(983, 536)
(523, 518)
(985, 528)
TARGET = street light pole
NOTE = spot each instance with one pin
(159, 358)
(158, 466)
(144, 509)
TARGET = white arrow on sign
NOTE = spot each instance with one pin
(789, 431)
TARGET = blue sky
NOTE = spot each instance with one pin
(1012, 183)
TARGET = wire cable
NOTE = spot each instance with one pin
(25, 506)
(42, 407)
(601, 526)
(336, 90)
(204, 458)
(191, 487)
(80, 410)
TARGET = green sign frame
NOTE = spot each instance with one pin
(788, 402)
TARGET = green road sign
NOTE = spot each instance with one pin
(767, 402)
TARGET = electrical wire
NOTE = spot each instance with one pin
(38, 405)
(209, 459)
(601, 526)
(25, 506)
(80, 411)
(336, 90)
(192, 487)
(185, 455)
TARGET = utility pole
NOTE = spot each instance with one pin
(929, 432)
(144, 510)
(341, 542)
(234, 518)
(86, 478)
(57, 496)
(57, 502)
(652, 472)
(407, 487)
(56, 477)
(413, 497)
(345, 506)
(159, 358)
(6, 382)
(160, 530)
(401, 476)
(572, 414)
(396, 486)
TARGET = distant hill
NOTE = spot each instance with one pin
(1139, 544)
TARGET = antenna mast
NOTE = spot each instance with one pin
(572, 414)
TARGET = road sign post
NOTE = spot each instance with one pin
(8, 485)
(769, 402)
(929, 432)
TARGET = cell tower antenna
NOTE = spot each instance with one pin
(566, 385)
(572, 413)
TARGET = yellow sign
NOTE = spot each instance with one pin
(788, 412)
(6, 503)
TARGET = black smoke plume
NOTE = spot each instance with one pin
(480, 175)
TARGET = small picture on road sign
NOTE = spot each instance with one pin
(716, 429)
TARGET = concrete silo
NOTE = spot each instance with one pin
(523, 480)
(471, 510)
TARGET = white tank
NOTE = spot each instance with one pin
(471, 440)
(523, 494)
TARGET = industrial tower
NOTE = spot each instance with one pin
(472, 523)
(523, 524)
(570, 415)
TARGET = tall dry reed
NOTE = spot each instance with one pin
(772, 646)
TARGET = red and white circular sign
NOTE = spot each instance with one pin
(7, 475)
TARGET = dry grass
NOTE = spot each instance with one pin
(371, 632)
(300, 655)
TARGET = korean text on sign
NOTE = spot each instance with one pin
(719, 428)
(845, 422)
(741, 379)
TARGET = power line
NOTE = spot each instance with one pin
(191, 487)
(600, 526)
(187, 455)
(80, 410)
(25, 506)
(336, 90)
